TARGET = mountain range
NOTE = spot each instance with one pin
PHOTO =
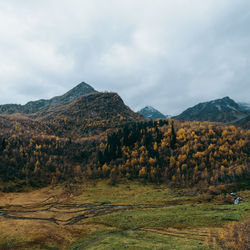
(223, 110)
(83, 111)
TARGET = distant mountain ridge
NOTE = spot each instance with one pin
(151, 113)
(245, 106)
(34, 106)
(223, 110)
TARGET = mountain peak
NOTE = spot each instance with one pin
(151, 113)
(81, 89)
(150, 108)
(228, 99)
(83, 86)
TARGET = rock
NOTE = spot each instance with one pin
(237, 199)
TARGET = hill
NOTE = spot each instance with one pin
(190, 154)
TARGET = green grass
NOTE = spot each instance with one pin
(131, 193)
(189, 215)
(135, 240)
(181, 216)
(10, 242)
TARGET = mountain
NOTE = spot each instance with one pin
(221, 110)
(80, 112)
(34, 106)
(244, 106)
(151, 113)
(88, 115)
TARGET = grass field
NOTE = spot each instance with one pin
(129, 215)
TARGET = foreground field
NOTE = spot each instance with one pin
(126, 216)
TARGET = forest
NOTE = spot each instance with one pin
(180, 154)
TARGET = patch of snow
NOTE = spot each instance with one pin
(149, 108)
(229, 106)
(218, 107)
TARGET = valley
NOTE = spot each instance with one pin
(124, 125)
(129, 215)
(83, 171)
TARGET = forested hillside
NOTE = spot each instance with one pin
(184, 154)
(177, 153)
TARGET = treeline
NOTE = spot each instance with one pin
(179, 154)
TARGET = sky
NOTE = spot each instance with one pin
(170, 54)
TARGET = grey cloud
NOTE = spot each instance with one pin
(164, 53)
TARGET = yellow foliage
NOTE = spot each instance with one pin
(232, 236)
(155, 146)
(172, 161)
(142, 172)
(152, 161)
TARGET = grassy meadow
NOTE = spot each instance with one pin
(129, 215)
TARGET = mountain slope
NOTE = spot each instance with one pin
(34, 106)
(243, 123)
(89, 115)
(245, 106)
(151, 113)
(221, 110)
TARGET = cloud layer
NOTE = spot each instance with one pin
(164, 53)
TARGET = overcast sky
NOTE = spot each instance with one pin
(170, 54)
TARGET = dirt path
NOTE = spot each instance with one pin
(56, 212)
(188, 233)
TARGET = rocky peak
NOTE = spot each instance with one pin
(79, 90)
(151, 113)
